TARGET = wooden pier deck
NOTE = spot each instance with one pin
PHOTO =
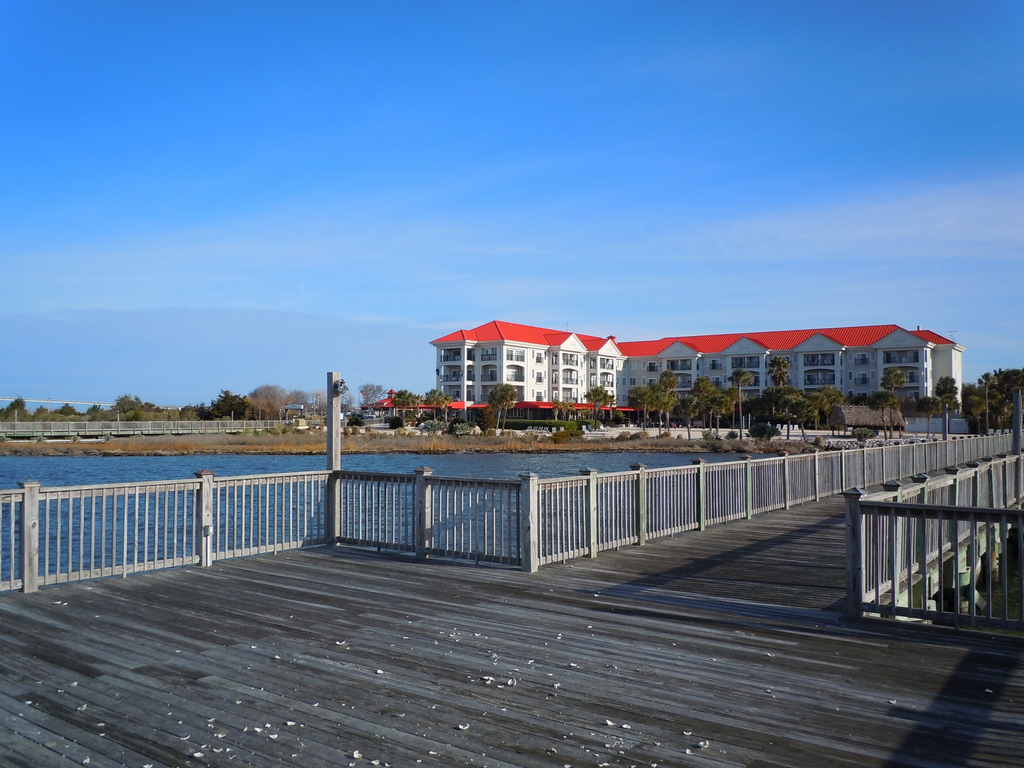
(720, 648)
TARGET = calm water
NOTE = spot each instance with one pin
(90, 470)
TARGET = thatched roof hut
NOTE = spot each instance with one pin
(852, 416)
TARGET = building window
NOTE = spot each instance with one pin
(652, 366)
(901, 357)
(746, 362)
(824, 358)
(632, 382)
(568, 359)
(861, 358)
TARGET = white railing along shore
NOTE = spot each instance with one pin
(72, 429)
(56, 535)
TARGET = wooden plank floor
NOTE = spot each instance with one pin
(718, 648)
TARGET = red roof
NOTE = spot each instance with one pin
(499, 330)
(853, 336)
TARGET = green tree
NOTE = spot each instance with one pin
(403, 400)
(948, 392)
(16, 410)
(502, 397)
(707, 395)
(778, 370)
(665, 397)
(893, 379)
(688, 406)
(435, 398)
(228, 405)
(599, 398)
(742, 378)
(792, 406)
(929, 406)
(644, 399)
(884, 402)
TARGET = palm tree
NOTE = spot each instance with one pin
(599, 398)
(706, 393)
(893, 379)
(778, 370)
(929, 406)
(644, 399)
(503, 397)
(688, 406)
(742, 378)
(885, 402)
(435, 398)
(403, 400)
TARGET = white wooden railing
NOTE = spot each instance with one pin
(930, 548)
(56, 535)
(71, 429)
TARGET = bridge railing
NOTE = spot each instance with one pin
(72, 429)
(943, 548)
(56, 535)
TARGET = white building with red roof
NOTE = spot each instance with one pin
(545, 364)
(541, 363)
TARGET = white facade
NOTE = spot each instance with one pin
(546, 365)
(468, 369)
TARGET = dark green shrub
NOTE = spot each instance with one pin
(762, 430)
(355, 421)
(396, 422)
(862, 434)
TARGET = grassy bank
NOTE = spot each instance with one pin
(305, 443)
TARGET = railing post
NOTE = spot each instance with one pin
(817, 475)
(785, 479)
(205, 518)
(332, 508)
(864, 464)
(334, 392)
(896, 487)
(529, 499)
(954, 496)
(702, 494)
(922, 497)
(976, 483)
(641, 502)
(842, 470)
(748, 471)
(332, 491)
(854, 554)
(591, 502)
(29, 537)
(424, 512)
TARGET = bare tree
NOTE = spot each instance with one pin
(370, 394)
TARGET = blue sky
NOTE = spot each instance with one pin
(197, 198)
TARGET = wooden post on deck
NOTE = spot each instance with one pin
(204, 518)
(817, 476)
(702, 495)
(424, 512)
(332, 493)
(748, 475)
(641, 502)
(1018, 476)
(29, 537)
(785, 480)
(591, 502)
(854, 554)
(922, 496)
(529, 500)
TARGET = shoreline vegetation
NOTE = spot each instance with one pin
(314, 443)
